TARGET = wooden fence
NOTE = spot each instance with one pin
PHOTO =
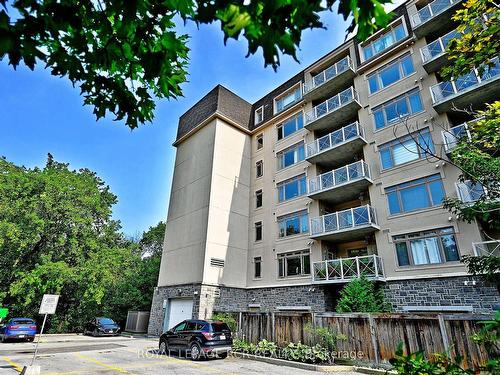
(375, 335)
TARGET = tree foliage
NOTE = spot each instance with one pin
(57, 236)
(361, 295)
(123, 54)
(479, 41)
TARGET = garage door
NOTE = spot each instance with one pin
(179, 310)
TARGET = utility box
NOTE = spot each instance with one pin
(137, 321)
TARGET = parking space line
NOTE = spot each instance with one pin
(99, 363)
(15, 365)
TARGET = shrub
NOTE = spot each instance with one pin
(228, 319)
(304, 353)
(361, 295)
(266, 348)
(325, 337)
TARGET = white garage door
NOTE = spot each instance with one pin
(179, 310)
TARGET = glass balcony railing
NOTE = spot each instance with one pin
(335, 139)
(487, 248)
(332, 104)
(340, 176)
(469, 192)
(452, 136)
(446, 89)
(328, 74)
(438, 47)
(343, 220)
(431, 10)
(345, 269)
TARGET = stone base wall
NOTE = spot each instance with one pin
(446, 291)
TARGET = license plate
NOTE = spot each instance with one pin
(110, 331)
(222, 337)
(21, 336)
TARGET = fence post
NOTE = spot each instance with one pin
(240, 328)
(273, 328)
(372, 324)
(444, 335)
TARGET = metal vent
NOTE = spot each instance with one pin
(216, 262)
(217, 293)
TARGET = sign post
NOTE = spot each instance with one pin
(47, 307)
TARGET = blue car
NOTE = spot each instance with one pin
(18, 328)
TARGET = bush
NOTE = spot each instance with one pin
(226, 318)
(325, 337)
(361, 295)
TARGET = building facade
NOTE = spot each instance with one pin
(276, 205)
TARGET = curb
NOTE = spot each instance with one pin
(374, 371)
(299, 365)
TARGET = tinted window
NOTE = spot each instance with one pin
(180, 327)
(219, 327)
(191, 326)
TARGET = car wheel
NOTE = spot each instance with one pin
(163, 347)
(195, 351)
(31, 339)
(95, 333)
(222, 355)
(2, 339)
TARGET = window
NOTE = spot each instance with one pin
(294, 264)
(260, 141)
(292, 188)
(258, 231)
(292, 224)
(291, 155)
(290, 126)
(393, 110)
(390, 73)
(403, 150)
(180, 327)
(415, 195)
(258, 198)
(384, 41)
(430, 247)
(259, 115)
(259, 169)
(257, 264)
(287, 100)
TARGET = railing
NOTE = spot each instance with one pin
(337, 270)
(339, 176)
(468, 192)
(332, 104)
(335, 138)
(329, 73)
(348, 219)
(445, 89)
(486, 248)
(452, 136)
(430, 10)
(438, 47)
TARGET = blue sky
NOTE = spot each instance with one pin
(40, 114)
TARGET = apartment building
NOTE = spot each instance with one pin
(276, 205)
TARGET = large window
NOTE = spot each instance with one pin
(391, 73)
(291, 155)
(415, 195)
(393, 110)
(290, 126)
(287, 100)
(292, 188)
(292, 224)
(294, 264)
(406, 149)
(384, 41)
(430, 247)
(257, 262)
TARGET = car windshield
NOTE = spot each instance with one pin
(22, 321)
(220, 327)
(106, 321)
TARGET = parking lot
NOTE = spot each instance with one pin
(76, 354)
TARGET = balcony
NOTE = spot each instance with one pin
(330, 79)
(434, 54)
(433, 17)
(354, 223)
(342, 184)
(337, 147)
(487, 248)
(338, 108)
(343, 270)
(468, 192)
(452, 136)
(472, 89)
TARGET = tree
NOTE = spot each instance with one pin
(123, 54)
(479, 41)
(361, 295)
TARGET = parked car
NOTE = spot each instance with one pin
(18, 328)
(102, 326)
(198, 338)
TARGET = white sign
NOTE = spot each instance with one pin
(49, 304)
